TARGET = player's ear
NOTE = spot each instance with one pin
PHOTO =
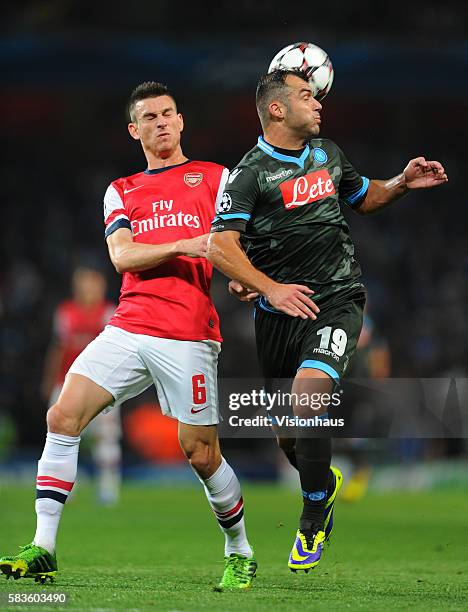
(181, 121)
(133, 131)
(276, 110)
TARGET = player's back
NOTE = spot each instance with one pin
(161, 206)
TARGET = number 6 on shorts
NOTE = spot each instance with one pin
(199, 389)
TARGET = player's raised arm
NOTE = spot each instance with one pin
(418, 174)
(130, 256)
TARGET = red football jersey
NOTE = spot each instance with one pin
(75, 326)
(160, 206)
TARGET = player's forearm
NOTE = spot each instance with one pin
(382, 193)
(227, 255)
(137, 257)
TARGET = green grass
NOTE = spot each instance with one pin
(161, 549)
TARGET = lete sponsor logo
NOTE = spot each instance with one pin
(193, 179)
(305, 189)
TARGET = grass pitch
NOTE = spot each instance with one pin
(161, 549)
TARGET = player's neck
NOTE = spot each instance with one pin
(156, 161)
(283, 140)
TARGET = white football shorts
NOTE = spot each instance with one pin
(184, 372)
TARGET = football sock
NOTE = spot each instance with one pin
(107, 456)
(313, 459)
(55, 478)
(225, 498)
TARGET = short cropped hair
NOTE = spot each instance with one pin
(271, 87)
(148, 89)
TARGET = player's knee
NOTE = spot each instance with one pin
(62, 422)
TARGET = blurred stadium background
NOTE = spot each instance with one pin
(401, 84)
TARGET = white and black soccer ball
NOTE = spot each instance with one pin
(310, 59)
(225, 204)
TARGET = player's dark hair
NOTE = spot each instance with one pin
(272, 86)
(148, 89)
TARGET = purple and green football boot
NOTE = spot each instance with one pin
(328, 525)
(306, 551)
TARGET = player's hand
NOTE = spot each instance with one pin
(420, 174)
(194, 247)
(244, 294)
(293, 300)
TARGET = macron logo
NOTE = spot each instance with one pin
(305, 189)
(280, 175)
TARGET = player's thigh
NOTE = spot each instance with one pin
(331, 340)
(115, 371)
(277, 339)
(185, 376)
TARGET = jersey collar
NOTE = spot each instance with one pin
(159, 170)
(269, 150)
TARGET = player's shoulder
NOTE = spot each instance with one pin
(209, 166)
(123, 183)
(198, 170)
(325, 144)
(252, 159)
(249, 167)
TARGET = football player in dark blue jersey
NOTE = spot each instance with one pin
(279, 234)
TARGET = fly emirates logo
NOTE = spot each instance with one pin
(163, 216)
(305, 189)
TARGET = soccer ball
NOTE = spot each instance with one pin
(311, 60)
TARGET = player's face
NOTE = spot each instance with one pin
(302, 113)
(89, 286)
(158, 125)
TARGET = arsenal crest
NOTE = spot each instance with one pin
(193, 179)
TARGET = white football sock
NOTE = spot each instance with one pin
(225, 498)
(107, 456)
(56, 476)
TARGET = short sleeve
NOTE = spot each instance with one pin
(234, 208)
(353, 187)
(115, 215)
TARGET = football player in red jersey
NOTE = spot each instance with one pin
(165, 331)
(77, 321)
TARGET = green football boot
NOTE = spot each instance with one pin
(32, 562)
(239, 572)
